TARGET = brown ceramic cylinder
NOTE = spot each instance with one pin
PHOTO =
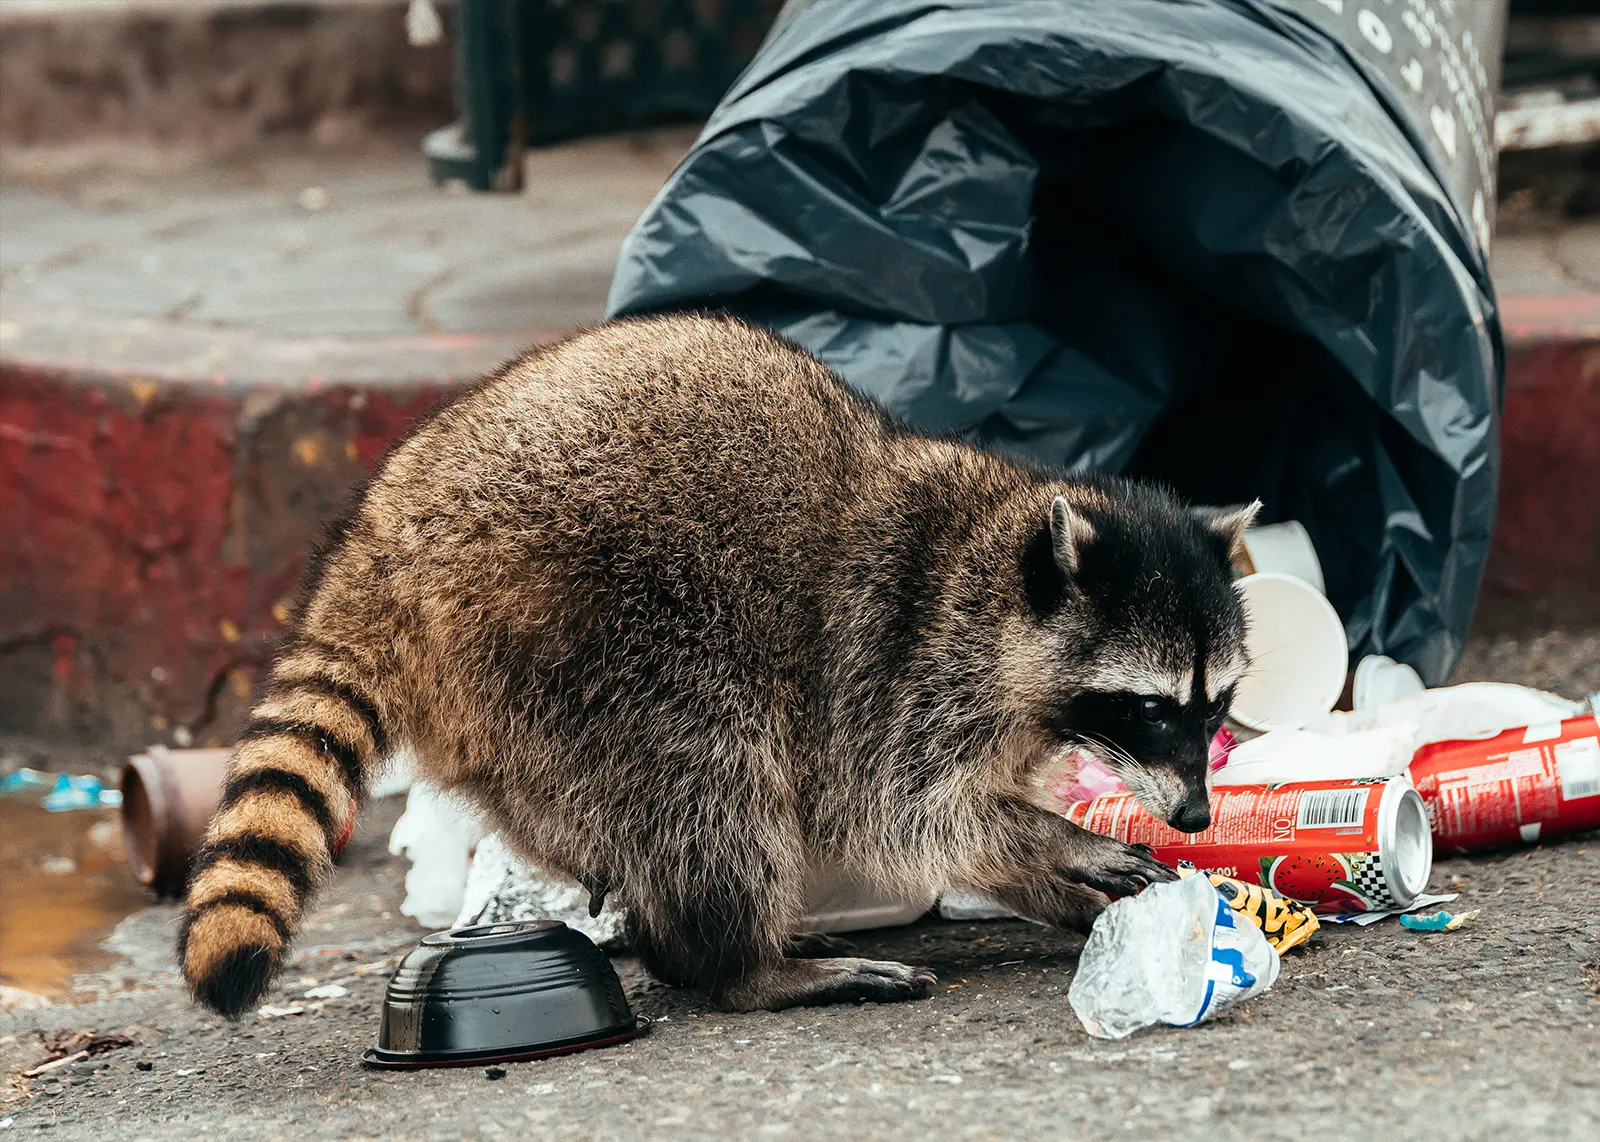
(168, 798)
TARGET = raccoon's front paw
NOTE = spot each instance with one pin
(1116, 868)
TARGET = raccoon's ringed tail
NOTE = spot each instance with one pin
(294, 783)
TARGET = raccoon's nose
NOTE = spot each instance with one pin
(1191, 817)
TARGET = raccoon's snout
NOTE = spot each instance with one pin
(1193, 815)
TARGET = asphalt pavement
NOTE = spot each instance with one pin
(1486, 1033)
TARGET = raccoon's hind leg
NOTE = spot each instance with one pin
(706, 947)
(816, 946)
(712, 894)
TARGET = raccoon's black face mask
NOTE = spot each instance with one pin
(1135, 596)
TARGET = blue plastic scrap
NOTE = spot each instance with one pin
(65, 792)
(1436, 921)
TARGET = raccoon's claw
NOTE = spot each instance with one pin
(871, 981)
(1123, 870)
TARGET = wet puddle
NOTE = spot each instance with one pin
(64, 885)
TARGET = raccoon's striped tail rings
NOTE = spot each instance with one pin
(295, 781)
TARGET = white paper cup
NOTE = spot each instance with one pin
(1298, 653)
(1380, 679)
(1285, 548)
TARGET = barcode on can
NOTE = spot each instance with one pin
(1578, 765)
(1332, 808)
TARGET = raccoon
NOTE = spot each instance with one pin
(684, 617)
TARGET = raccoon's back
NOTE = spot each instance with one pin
(673, 479)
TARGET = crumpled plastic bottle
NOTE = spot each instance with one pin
(1177, 953)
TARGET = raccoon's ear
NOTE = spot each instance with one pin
(1069, 532)
(1229, 524)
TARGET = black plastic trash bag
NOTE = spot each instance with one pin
(1196, 240)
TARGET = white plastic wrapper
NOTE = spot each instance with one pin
(1176, 953)
(1380, 741)
(437, 834)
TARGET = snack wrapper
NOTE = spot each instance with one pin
(1285, 923)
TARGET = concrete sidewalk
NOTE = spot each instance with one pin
(201, 353)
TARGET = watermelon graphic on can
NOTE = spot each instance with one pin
(1330, 882)
(1339, 846)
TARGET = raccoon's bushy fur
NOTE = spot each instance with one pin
(683, 616)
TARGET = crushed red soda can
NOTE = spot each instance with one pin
(1519, 786)
(1338, 846)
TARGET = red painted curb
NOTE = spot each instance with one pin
(160, 487)
(155, 517)
(1547, 533)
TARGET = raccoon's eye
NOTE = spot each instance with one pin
(1151, 709)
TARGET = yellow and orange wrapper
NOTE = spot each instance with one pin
(1284, 922)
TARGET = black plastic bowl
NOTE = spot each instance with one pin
(498, 993)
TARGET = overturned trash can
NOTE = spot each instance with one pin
(1236, 245)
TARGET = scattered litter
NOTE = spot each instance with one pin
(144, 1065)
(377, 965)
(187, 1071)
(55, 1064)
(327, 991)
(1339, 846)
(67, 1047)
(5, 1123)
(500, 888)
(965, 904)
(1437, 921)
(1177, 953)
(494, 1073)
(1528, 783)
(437, 835)
(80, 793)
(1363, 919)
(273, 1011)
(953, 1080)
(62, 791)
